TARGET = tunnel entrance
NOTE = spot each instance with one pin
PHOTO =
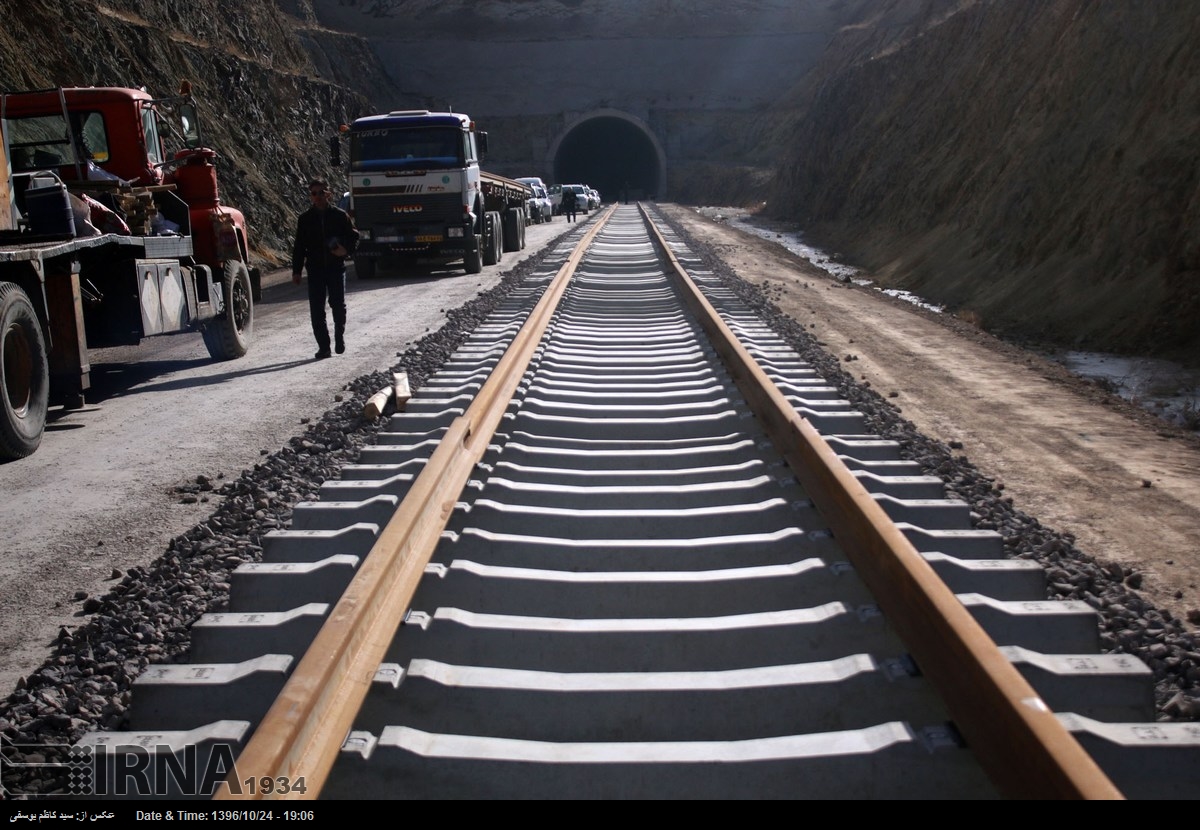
(612, 152)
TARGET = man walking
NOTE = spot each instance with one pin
(568, 202)
(325, 236)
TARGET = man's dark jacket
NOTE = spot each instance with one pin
(319, 230)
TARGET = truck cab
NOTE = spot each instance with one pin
(106, 237)
(117, 130)
(90, 135)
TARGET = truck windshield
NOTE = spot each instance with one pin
(44, 141)
(406, 148)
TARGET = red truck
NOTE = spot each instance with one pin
(107, 237)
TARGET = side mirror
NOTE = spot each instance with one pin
(481, 141)
(335, 152)
(189, 122)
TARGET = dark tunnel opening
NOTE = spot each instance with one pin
(611, 155)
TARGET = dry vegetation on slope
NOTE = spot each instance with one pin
(271, 88)
(1035, 165)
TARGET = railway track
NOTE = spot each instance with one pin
(626, 544)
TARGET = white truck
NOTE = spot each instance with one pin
(417, 193)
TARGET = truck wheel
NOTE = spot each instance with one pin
(512, 230)
(521, 225)
(228, 336)
(364, 267)
(491, 238)
(24, 375)
(472, 258)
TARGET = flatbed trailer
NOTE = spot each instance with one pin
(62, 277)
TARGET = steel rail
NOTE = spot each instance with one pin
(1018, 740)
(303, 731)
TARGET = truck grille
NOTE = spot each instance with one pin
(371, 210)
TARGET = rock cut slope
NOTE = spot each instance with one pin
(271, 86)
(1036, 165)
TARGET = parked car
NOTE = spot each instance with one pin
(547, 210)
(594, 198)
(555, 191)
(540, 209)
(542, 198)
(532, 207)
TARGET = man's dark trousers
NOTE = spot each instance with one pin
(327, 282)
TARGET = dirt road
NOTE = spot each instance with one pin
(107, 490)
(1081, 461)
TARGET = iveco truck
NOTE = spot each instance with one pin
(418, 194)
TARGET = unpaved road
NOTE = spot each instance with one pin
(1083, 462)
(101, 492)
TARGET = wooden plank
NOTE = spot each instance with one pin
(400, 389)
(377, 403)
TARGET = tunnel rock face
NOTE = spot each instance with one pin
(613, 152)
(624, 97)
(648, 98)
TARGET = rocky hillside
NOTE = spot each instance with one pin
(272, 86)
(1036, 166)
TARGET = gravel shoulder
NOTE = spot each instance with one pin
(1113, 477)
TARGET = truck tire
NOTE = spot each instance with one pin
(514, 227)
(473, 257)
(364, 267)
(24, 375)
(227, 336)
(492, 246)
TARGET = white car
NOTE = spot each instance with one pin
(540, 209)
(544, 209)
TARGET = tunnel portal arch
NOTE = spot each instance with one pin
(610, 150)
